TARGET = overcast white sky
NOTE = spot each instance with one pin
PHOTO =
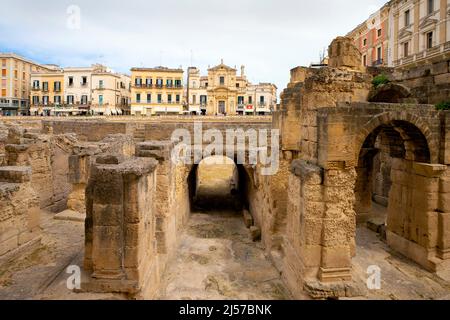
(268, 36)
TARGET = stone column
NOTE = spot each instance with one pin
(339, 224)
(120, 225)
(396, 27)
(443, 21)
(416, 26)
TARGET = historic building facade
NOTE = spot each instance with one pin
(156, 91)
(405, 33)
(225, 92)
(372, 38)
(420, 31)
(79, 90)
(15, 83)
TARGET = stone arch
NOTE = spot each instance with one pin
(237, 191)
(405, 122)
(389, 93)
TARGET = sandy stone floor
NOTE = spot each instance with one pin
(217, 260)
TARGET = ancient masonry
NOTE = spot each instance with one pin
(339, 153)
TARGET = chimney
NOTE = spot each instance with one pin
(242, 71)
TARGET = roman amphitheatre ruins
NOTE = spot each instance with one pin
(362, 182)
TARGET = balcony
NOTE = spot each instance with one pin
(35, 88)
(436, 51)
(83, 85)
(377, 63)
(100, 87)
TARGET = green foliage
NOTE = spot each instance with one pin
(380, 80)
(445, 105)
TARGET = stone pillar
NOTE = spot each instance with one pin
(120, 226)
(443, 241)
(79, 169)
(165, 191)
(443, 22)
(413, 214)
(416, 35)
(339, 224)
(396, 27)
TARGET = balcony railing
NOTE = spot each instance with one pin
(35, 88)
(377, 63)
(425, 54)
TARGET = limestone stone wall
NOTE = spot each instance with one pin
(47, 156)
(19, 209)
(428, 83)
(80, 161)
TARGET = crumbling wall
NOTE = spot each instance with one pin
(83, 155)
(19, 209)
(47, 155)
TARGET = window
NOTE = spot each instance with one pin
(430, 6)
(407, 18)
(16, 74)
(57, 86)
(240, 100)
(138, 98)
(379, 33)
(3, 92)
(100, 100)
(3, 62)
(206, 84)
(429, 38)
(178, 83)
(365, 42)
(148, 82)
(45, 86)
(237, 85)
(364, 60)
(222, 81)
(159, 98)
(194, 99)
(149, 98)
(169, 98)
(250, 100)
(177, 98)
(36, 84)
(138, 82)
(57, 99)
(100, 84)
(169, 83)
(159, 83)
(45, 100)
(406, 49)
(379, 54)
(3, 72)
(35, 100)
(70, 81)
(70, 99)
(84, 99)
(84, 81)
(261, 100)
(24, 75)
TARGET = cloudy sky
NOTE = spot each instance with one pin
(268, 36)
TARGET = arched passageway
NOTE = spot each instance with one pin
(217, 258)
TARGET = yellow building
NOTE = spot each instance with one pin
(47, 92)
(110, 93)
(156, 91)
(15, 83)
